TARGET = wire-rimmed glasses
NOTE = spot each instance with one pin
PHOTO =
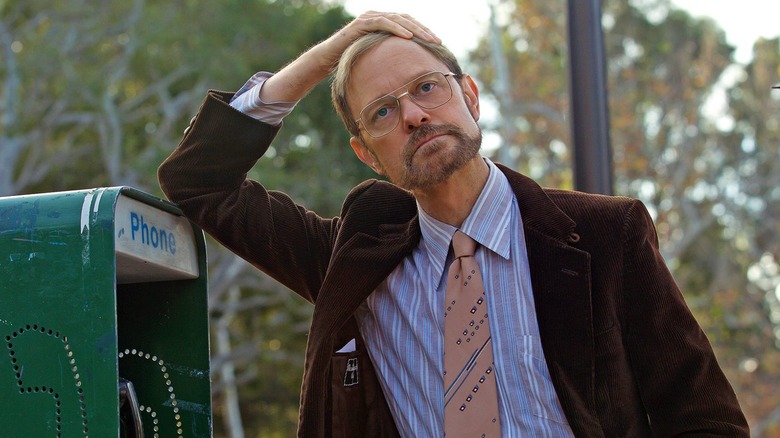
(428, 91)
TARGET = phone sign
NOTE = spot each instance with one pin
(152, 244)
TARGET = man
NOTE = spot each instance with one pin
(590, 336)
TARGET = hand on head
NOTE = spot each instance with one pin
(402, 25)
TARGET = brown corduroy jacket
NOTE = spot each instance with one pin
(626, 357)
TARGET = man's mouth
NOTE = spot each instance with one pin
(429, 140)
(425, 135)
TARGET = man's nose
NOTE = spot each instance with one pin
(412, 114)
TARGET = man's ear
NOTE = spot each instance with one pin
(365, 155)
(471, 95)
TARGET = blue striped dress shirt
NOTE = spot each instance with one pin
(402, 323)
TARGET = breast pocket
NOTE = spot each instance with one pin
(359, 406)
(537, 396)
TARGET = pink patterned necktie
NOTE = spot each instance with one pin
(470, 395)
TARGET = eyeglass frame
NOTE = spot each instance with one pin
(359, 120)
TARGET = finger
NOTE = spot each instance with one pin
(402, 25)
(418, 29)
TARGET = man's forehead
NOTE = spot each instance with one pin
(388, 66)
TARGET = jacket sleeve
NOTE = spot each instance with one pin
(206, 176)
(680, 382)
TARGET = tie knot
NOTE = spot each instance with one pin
(463, 245)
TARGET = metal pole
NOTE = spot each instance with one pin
(589, 107)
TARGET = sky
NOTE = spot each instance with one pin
(460, 23)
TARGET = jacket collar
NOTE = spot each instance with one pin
(539, 213)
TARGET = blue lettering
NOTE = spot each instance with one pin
(163, 240)
(133, 224)
(144, 232)
(158, 238)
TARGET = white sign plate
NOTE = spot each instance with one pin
(152, 244)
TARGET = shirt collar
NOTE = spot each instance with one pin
(488, 222)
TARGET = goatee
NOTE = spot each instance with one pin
(428, 173)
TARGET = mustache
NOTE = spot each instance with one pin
(426, 131)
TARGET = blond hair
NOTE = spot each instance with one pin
(343, 70)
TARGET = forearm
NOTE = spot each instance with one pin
(296, 79)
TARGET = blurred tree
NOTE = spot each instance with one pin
(694, 136)
(749, 215)
(533, 109)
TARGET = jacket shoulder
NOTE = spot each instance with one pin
(374, 203)
(614, 219)
(589, 206)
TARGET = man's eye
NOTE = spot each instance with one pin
(426, 87)
(381, 113)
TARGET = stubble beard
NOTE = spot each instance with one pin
(427, 172)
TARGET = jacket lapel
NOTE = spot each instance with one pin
(384, 230)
